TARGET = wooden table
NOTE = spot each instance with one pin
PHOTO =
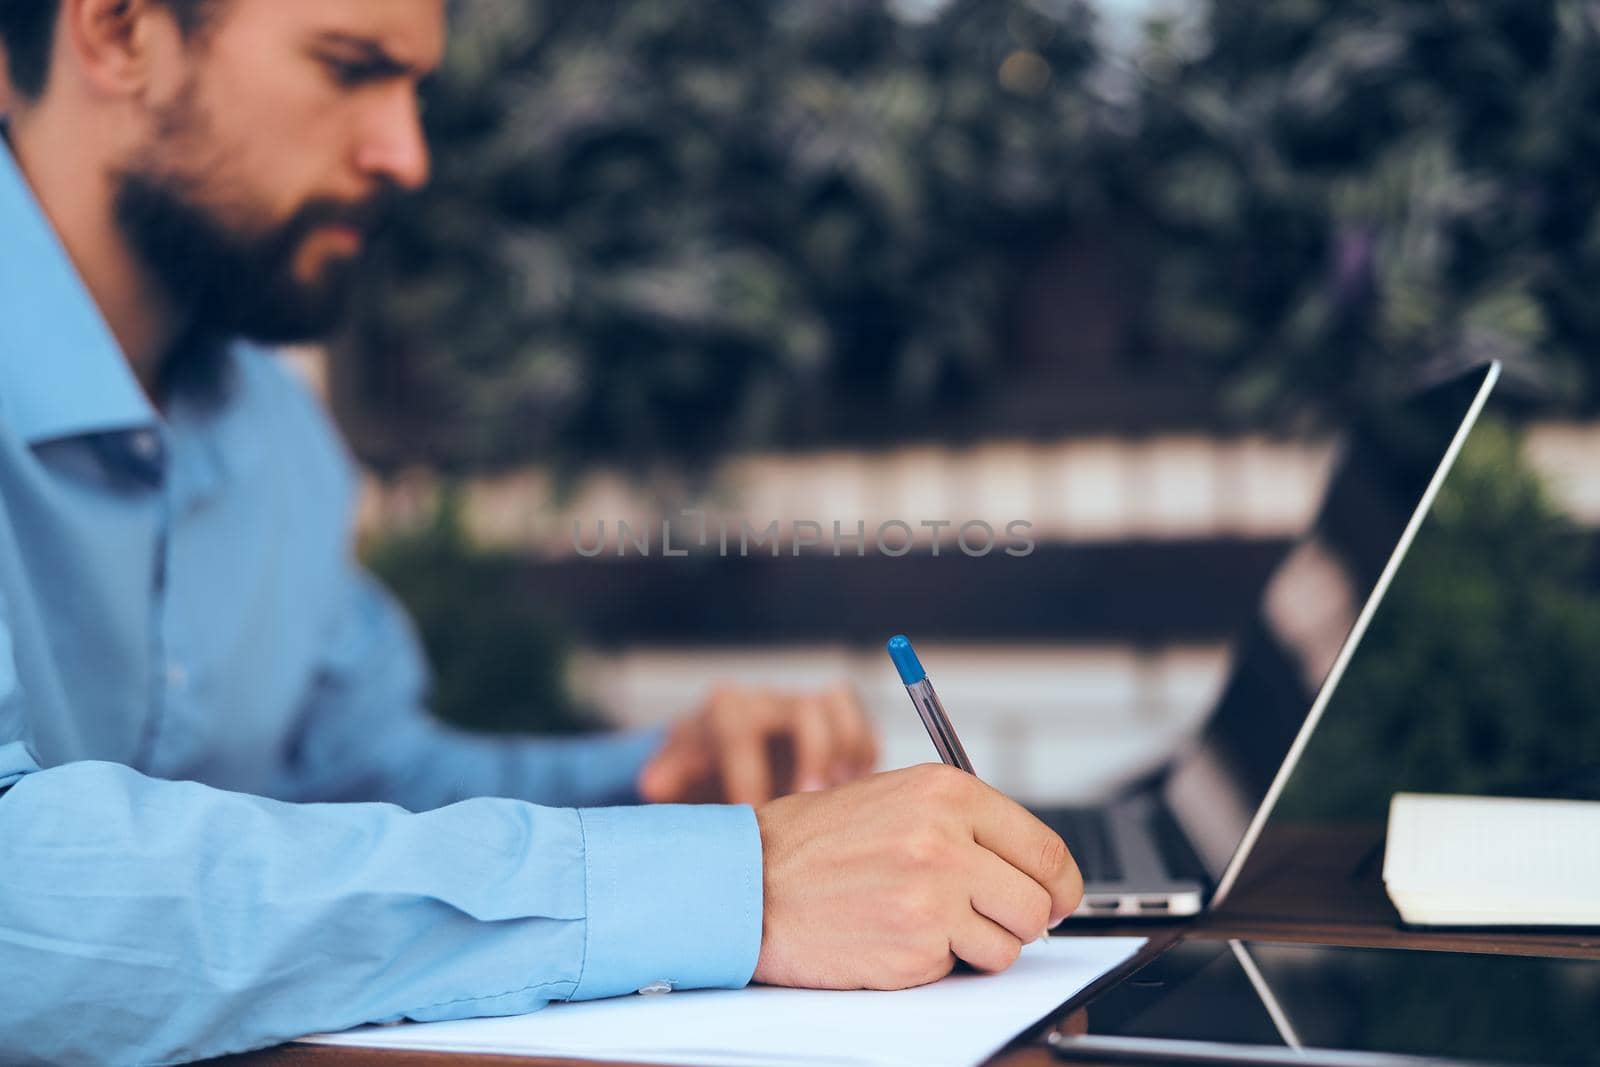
(1305, 883)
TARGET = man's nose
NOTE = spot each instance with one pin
(395, 147)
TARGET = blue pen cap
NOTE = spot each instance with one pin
(905, 660)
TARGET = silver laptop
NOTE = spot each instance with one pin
(1177, 841)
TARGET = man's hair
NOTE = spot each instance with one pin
(28, 28)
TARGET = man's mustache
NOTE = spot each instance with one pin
(367, 217)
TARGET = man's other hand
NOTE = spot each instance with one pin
(746, 746)
(886, 882)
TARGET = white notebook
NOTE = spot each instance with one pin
(1493, 861)
(957, 1022)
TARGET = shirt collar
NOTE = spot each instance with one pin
(62, 373)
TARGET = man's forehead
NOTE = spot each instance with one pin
(411, 32)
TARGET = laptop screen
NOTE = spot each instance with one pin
(1312, 613)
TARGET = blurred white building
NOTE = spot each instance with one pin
(1058, 717)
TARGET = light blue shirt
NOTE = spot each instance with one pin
(226, 819)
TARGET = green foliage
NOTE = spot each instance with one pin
(499, 663)
(1345, 192)
(662, 230)
(1479, 672)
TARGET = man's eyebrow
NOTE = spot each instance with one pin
(374, 54)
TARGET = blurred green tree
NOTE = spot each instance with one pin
(1479, 672)
(1346, 192)
(662, 230)
(498, 662)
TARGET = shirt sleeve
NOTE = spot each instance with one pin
(147, 921)
(365, 732)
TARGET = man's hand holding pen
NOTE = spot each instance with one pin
(881, 883)
(885, 883)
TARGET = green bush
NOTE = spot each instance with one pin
(1345, 191)
(661, 230)
(1481, 671)
(499, 661)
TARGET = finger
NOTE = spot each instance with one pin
(1007, 829)
(856, 744)
(982, 943)
(851, 720)
(682, 763)
(740, 724)
(1004, 894)
(815, 744)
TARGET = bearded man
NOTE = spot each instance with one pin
(226, 819)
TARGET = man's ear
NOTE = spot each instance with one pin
(115, 44)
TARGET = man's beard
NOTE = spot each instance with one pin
(231, 277)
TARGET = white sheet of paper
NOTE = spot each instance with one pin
(957, 1022)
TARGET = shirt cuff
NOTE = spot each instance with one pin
(673, 895)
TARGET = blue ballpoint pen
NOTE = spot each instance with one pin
(927, 704)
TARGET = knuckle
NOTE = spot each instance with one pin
(1054, 857)
(916, 910)
(1074, 888)
(1001, 956)
(733, 716)
(944, 785)
(1073, 876)
(925, 849)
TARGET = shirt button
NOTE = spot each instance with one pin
(145, 445)
(660, 985)
(177, 676)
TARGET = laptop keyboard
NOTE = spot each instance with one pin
(1087, 833)
(1176, 852)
